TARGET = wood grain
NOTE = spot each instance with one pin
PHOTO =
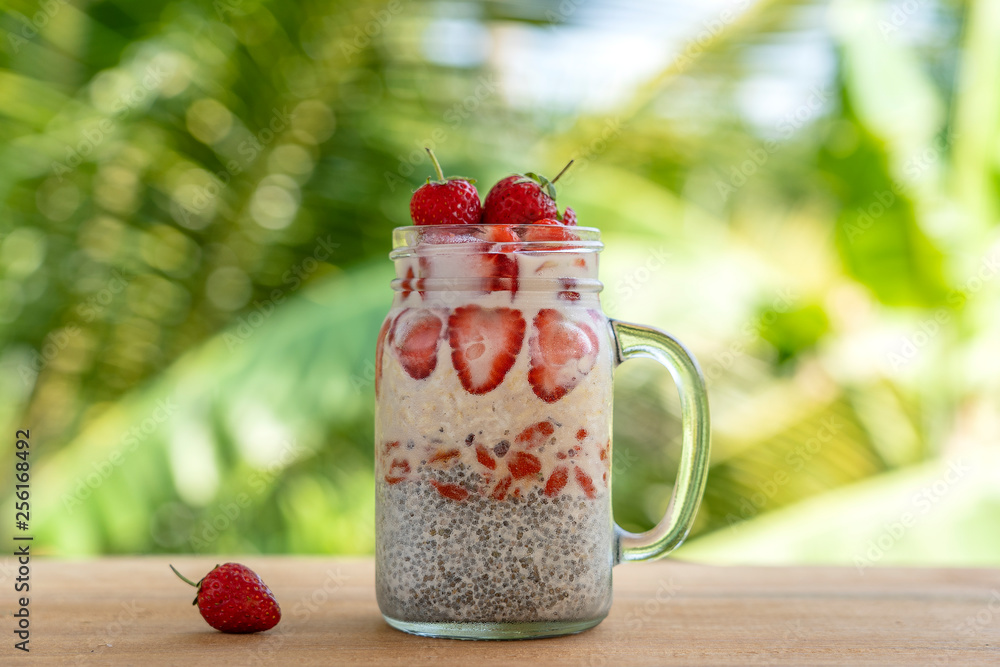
(134, 611)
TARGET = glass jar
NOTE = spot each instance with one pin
(493, 435)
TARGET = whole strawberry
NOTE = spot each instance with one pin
(232, 598)
(569, 217)
(522, 199)
(446, 201)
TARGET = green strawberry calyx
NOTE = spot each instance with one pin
(547, 186)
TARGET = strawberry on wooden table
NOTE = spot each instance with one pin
(233, 599)
(446, 201)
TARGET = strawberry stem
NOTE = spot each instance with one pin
(183, 578)
(563, 171)
(437, 165)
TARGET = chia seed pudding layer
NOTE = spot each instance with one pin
(522, 559)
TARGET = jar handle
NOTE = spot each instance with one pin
(635, 341)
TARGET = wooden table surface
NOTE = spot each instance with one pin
(135, 611)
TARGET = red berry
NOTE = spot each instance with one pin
(398, 471)
(535, 435)
(557, 480)
(562, 351)
(518, 200)
(501, 234)
(569, 217)
(415, 337)
(484, 458)
(569, 294)
(444, 455)
(521, 199)
(500, 271)
(446, 201)
(500, 491)
(587, 484)
(232, 598)
(484, 345)
(411, 283)
(451, 491)
(523, 464)
(500, 268)
(547, 229)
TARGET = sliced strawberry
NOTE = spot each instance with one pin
(557, 480)
(501, 272)
(523, 464)
(499, 268)
(547, 229)
(415, 337)
(397, 471)
(586, 484)
(484, 458)
(484, 345)
(563, 351)
(444, 455)
(501, 488)
(410, 283)
(500, 234)
(535, 435)
(452, 491)
(379, 350)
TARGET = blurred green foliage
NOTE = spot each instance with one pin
(197, 201)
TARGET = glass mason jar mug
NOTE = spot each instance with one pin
(493, 435)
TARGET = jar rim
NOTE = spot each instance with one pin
(463, 239)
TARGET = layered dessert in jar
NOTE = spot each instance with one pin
(493, 384)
